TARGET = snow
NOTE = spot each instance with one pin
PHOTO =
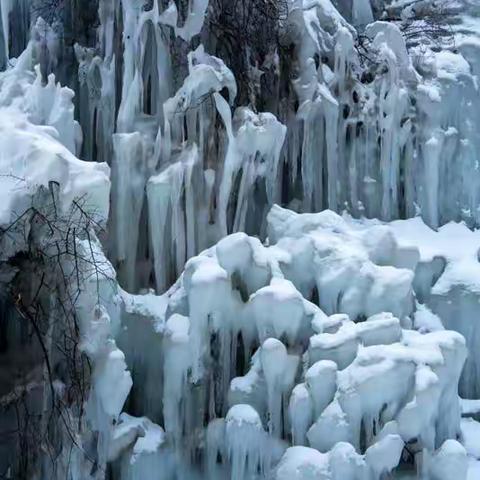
(207, 74)
(242, 291)
(140, 447)
(112, 381)
(470, 407)
(449, 462)
(33, 156)
(193, 23)
(148, 304)
(336, 261)
(473, 469)
(451, 65)
(425, 320)
(145, 436)
(446, 281)
(302, 463)
(471, 436)
(462, 264)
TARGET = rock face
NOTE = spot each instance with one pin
(164, 316)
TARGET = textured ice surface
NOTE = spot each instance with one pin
(387, 140)
(446, 281)
(264, 368)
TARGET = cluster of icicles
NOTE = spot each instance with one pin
(250, 380)
(384, 149)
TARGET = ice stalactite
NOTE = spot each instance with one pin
(303, 463)
(141, 338)
(245, 441)
(361, 129)
(333, 280)
(15, 18)
(254, 147)
(321, 383)
(300, 413)
(394, 125)
(188, 118)
(98, 324)
(188, 114)
(130, 171)
(175, 199)
(357, 114)
(356, 142)
(176, 365)
(146, 60)
(279, 370)
(450, 460)
(445, 283)
(111, 384)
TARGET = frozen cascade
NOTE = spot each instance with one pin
(333, 400)
(219, 334)
(131, 154)
(379, 138)
(176, 193)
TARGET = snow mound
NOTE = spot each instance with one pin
(446, 282)
(38, 138)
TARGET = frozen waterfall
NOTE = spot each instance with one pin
(239, 239)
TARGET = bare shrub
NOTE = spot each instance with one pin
(47, 275)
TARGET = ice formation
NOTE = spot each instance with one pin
(350, 396)
(262, 218)
(348, 143)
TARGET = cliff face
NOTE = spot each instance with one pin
(138, 136)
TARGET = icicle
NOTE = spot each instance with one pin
(255, 147)
(173, 194)
(130, 171)
(301, 413)
(193, 23)
(176, 364)
(245, 442)
(331, 122)
(279, 370)
(215, 438)
(321, 381)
